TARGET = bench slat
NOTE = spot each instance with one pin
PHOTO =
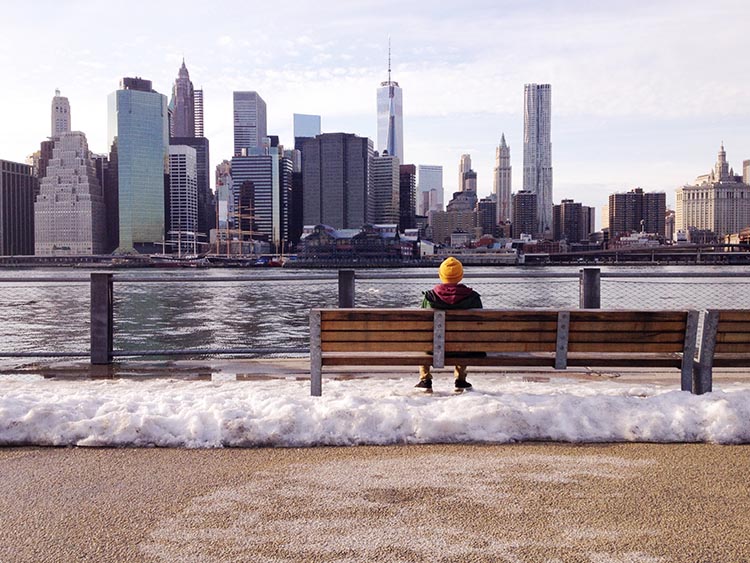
(733, 326)
(612, 336)
(377, 336)
(527, 315)
(376, 314)
(451, 347)
(634, 347)
(734, 316)
(736, 337)
(377, 346)
(731, 348)
(628, 326)
(611, 317)
(515, 326)
(376, 325)
(451, 336)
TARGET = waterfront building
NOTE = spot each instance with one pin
(464, 165)
(502, 182)
(139, 136)
(407, 198)
(60, 115)
(306, 126)
(383, 195)
(390, 117)
(206, 202)
(322, 245)
(571, 221)
(524, 211)
(430, 188)
(250, 126)
(182, 232)
(183, 104)
(69, 213)
(537, 152)
(636, 211)
(718, 201)
(17, 186)
(336, 179)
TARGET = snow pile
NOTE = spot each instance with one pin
(367, 411)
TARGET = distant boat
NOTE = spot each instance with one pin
(185, 261)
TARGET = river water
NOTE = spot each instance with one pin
(193, 309)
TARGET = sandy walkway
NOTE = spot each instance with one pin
(517, 503)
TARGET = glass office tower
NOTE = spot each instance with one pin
(139, 137)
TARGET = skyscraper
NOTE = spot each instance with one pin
(571, 221)
(69, 215)
(390, 117)
(524, 209)
(464, 165)
(430, 182)
(306, 125)
(336, 177)
(183, 198)
(60, 115)
(502, 187)
(537, 151)
(407, 206)
(183, 114)
(139, 137)
(206, 202)
(198, 106)
(636, 211)
(17, 185)
(249, 121)
(383, 195)
(269, 172)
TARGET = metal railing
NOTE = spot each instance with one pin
(586, 288)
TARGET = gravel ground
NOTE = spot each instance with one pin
(556, 503)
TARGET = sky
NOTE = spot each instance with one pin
(643, 92)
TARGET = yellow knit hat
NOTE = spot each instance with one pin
(451, 271)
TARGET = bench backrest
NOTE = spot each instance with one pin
(487, 330)
(376, 330)
(614, 331)
(732, 331)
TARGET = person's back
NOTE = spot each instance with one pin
(449, 294)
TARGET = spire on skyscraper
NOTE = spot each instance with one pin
(390, 115)
(183, 112)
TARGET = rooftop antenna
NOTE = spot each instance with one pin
(389, 59)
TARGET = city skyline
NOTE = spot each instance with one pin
(637, 102)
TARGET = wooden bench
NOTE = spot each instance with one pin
(502, 338)
(725, 343)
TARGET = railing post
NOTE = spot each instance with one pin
(590, 289)
(346, 289)
(101, 318)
